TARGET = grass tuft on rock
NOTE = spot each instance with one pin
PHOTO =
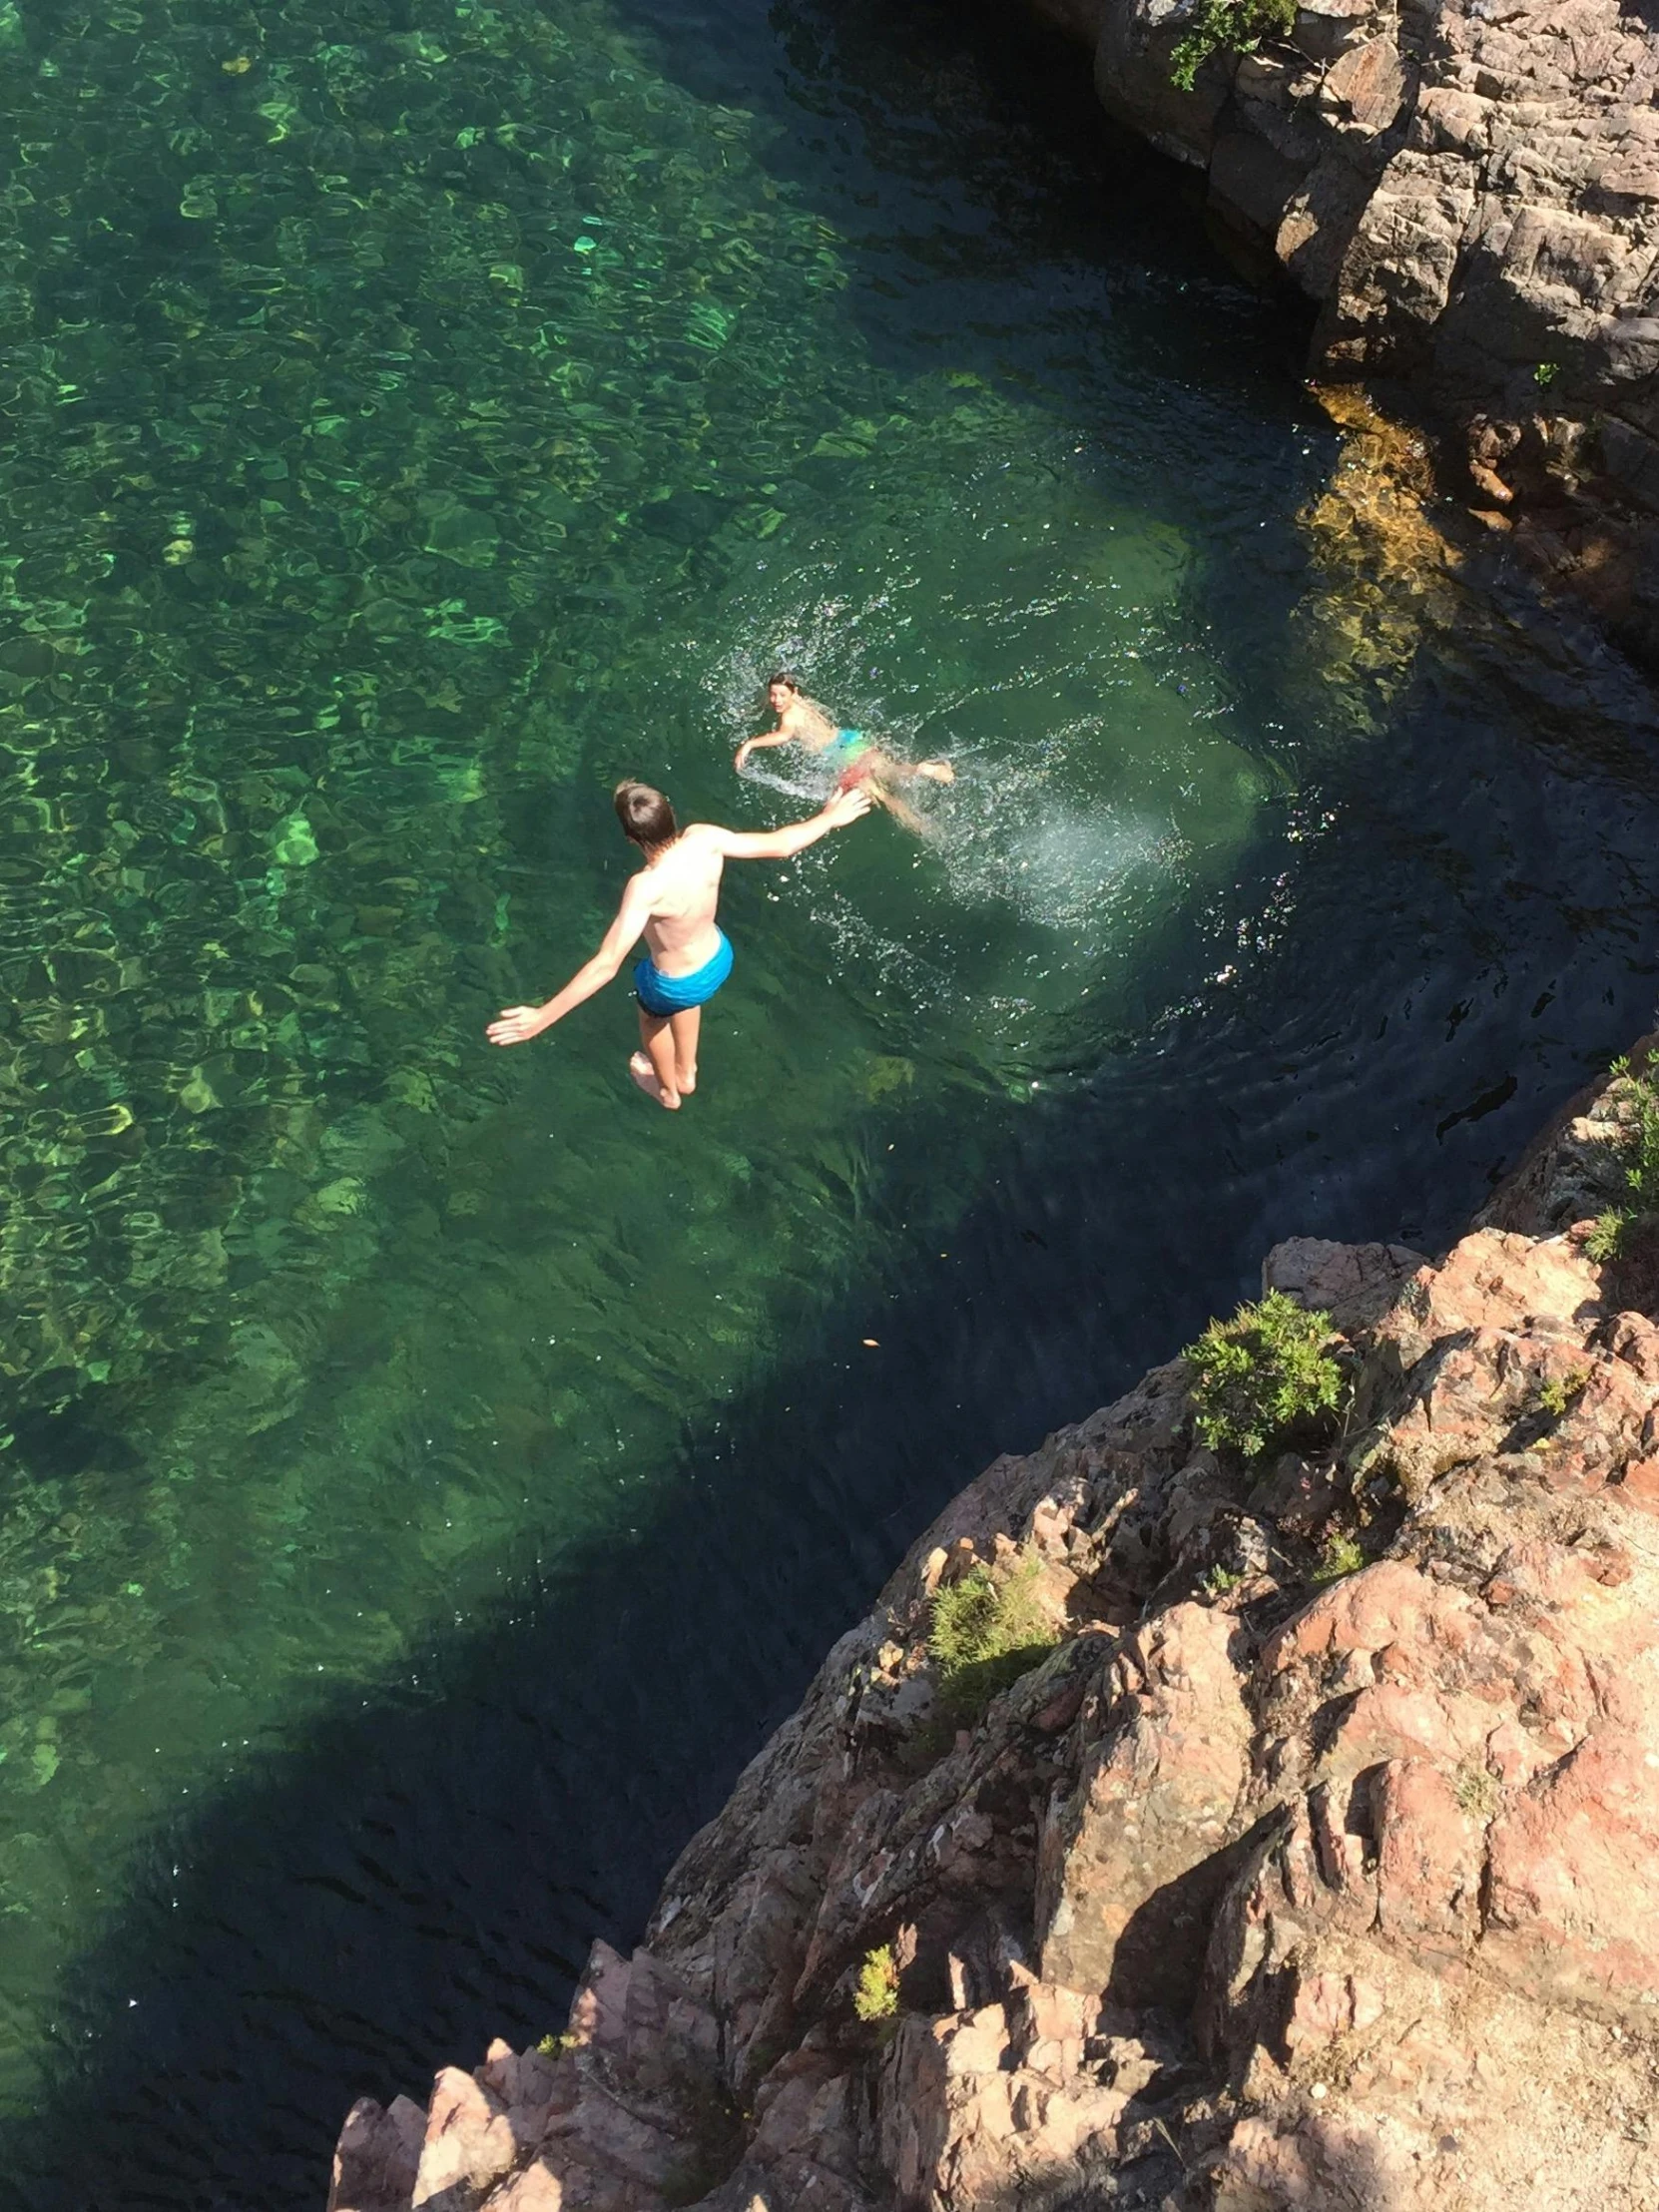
(1479, 1790)
(985, 1631)
(1339, 1557)
(1226, 26)
(1264, 1377)
(1557, 1394)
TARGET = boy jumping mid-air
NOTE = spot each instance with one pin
(859, 763)
(671, 904)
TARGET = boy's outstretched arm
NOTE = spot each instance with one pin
(781, 845)
(516, 1024)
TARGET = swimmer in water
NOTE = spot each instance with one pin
(671, 904)
(859, 763)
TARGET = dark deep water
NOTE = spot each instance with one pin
(428, 1474)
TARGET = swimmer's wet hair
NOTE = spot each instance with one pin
(783, 677)
(645, 815)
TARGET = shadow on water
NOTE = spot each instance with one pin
(998, 169)
(951, 101)
(431, 1869)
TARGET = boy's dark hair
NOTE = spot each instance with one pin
(646, 815)
(783, 677)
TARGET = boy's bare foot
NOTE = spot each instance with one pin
(645, 1075)
(687, 1083)
(936, 771)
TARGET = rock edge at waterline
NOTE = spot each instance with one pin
(1472, 193)
(1315, 1864)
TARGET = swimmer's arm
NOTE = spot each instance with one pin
(780, 735)
(783, 844)
(516, 1024)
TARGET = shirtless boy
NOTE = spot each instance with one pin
(860, 761)
(671, 904)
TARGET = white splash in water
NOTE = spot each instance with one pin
(1016, 832)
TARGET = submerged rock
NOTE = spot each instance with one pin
(1327, 1878)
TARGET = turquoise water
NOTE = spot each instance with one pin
(426, 1468)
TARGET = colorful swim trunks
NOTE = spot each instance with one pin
(663, 995)
(854, 756)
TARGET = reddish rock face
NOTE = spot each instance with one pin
(1256, 1892)
(1573, 1912)
(1130, 1859)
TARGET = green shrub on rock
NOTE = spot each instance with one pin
(1265, 1375)
(986, 1632)
(876, 1994)
(1231, 26)
(1480, 1792)
(1635, 1105)
(1610, 1234)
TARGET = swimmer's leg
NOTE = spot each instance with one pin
(654, 1068)
(906, 771)
(905, 816)
(684, 1029)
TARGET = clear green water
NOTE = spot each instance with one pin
(414, 417)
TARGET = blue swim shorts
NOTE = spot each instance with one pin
(663, 995)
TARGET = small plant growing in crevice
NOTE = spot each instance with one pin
(1546, 373)
(875, 1995)
(984, 1632)
(1635, 1106)
(1226, 26)
(1264, 1377)
(1340, 1556)
(1558, 1392)
(555, 2046)
(1219, 1580)
(1477, 1790)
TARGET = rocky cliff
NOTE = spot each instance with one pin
(1295, 1844)
(1470, 190)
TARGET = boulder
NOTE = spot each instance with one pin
(1354, 1283)
(377, 2157)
